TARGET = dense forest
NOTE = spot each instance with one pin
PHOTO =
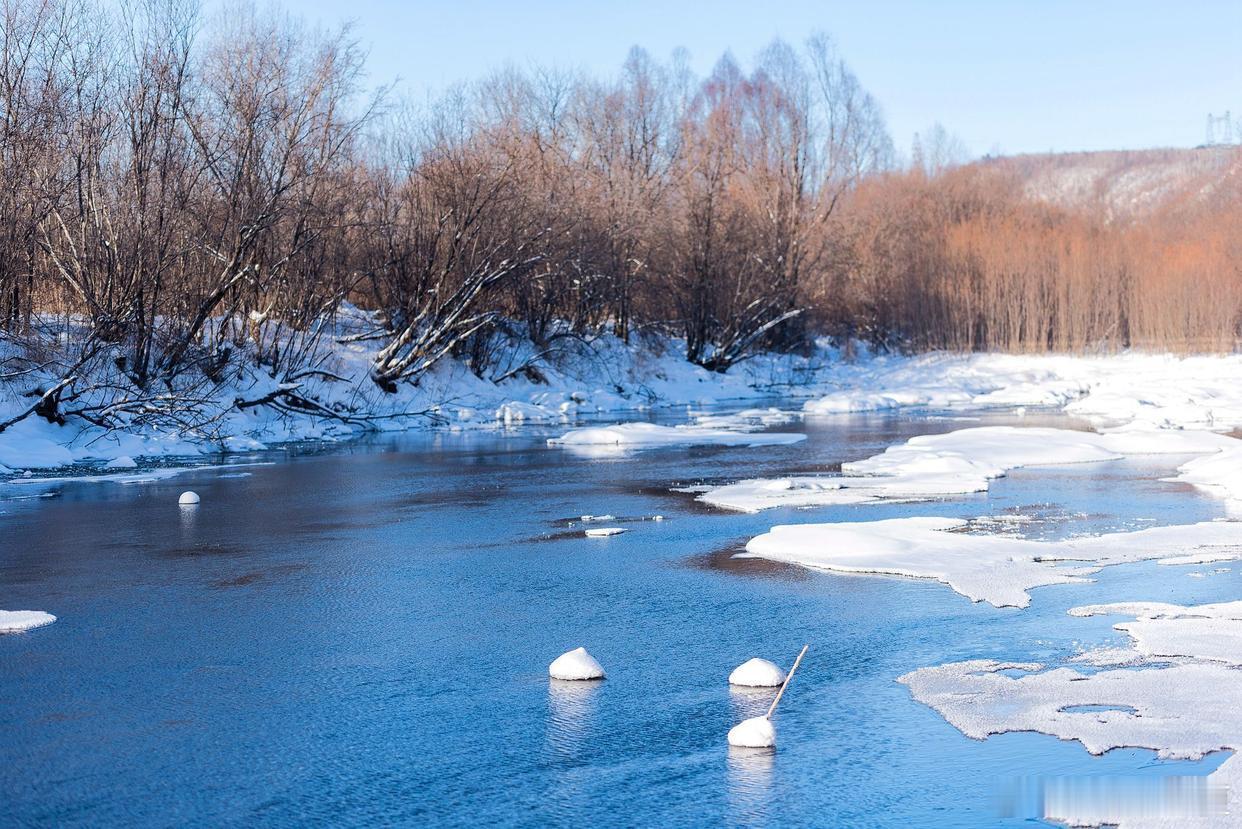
(183, 192)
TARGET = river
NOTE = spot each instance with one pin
(359, 635)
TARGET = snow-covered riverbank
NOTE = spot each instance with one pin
(608, 378)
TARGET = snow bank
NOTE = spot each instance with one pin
(575, 665)
(1220, 474)
(122, 462)
(16, 621)
(608, 376)
(651, 435)
(998, 569)
(1181, 710)
(757, 732)
(1160, 391)
(960, 462)
(757, 673)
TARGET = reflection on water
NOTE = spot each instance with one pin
(750, 785)
(750, 702)
(189, 512)
(571, 731)
(571, 708)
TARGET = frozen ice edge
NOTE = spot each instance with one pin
(967, 460)
(997, 569)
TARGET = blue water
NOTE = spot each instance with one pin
(361, 637)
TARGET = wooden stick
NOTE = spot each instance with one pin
(785, 684)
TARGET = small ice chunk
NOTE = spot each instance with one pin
(757, 673)
(757, 732)
(188, 498)
(602, 532)
(123, 462)
(574, 665)
(16, 621)
(598, 518)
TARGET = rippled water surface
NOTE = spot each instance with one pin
(361, 637)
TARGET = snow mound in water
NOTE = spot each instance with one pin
(603, 532)
(652, 435)
(123, 462)
(998, 569)
(15, 621)
(575, 665)
(757, 732)
(757, 673)
(960, 462)
(188, 498)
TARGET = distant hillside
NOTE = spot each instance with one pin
(1131, 183)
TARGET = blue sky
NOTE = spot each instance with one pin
(1018, 77)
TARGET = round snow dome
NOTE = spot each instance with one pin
(757, 673)
(188, 498)
(576, 664)
(757, 732)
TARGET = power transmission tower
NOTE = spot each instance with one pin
(1220, 129)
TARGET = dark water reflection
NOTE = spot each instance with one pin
(361, 637)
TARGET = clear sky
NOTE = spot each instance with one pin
(1018, 77)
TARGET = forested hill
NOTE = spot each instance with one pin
(1128, 183)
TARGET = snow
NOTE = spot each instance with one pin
(122, 462)
(575, 665)
(1219, 474)
(998, 569)
(960, 462)
(1160, 391)
(603, 532)
(608, 376)
(651, 435)
(757, 673)
(1181, 701)
(1211, 632)
(757, 732)
(16, 621)
(188, 498)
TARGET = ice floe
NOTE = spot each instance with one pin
(1211, 632)
(16, 621)
(603, 532)
(757, 673)
(998, 569)
(964, 461)
(1181, 701)
(747, 419)
(575, 665)
(650, 435)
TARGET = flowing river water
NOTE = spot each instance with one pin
(359, 635)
